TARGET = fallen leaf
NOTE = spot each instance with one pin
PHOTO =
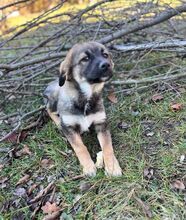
(150, 134)
(30, 190)
(177, 184)
(48, 208)
(144, 206)
(16, 137)
(182, 158)
(84, 187)
(123, 126)
(12, 138)
(20, 192)
(25, 151)
(134, 113)
(3, 185)
(148, 173)
(157, 97)
(176, 107)
(24, 179)
(52, 216)
(3, 179)
(112, 97)
(47, 163)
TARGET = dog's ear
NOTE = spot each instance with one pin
(62, 75)
(65, 69)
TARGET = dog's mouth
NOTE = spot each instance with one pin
(100, 79)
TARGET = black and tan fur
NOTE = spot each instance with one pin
(74, 102)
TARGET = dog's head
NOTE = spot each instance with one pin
(89, 62)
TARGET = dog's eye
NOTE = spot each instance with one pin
(105, 55)
(85, 59)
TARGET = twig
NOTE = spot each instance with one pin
(20, 122)
(31, 62)
(149, 79)
(42, 193)
(161, 17)
(9, 116)
(14, 3)
(20, 93)
(152, 45)
(144, 206)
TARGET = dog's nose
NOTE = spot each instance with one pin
(104, 66)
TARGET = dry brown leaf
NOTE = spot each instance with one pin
(49, 208)
(30, 190)
(47, 163)
(177, 184)
(24, 179)
(157, 98)
(52, 216)
(112, 97)
(176, 107)
(16, 137)
(26, 150)
(84, 187)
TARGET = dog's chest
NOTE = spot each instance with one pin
(84, 121)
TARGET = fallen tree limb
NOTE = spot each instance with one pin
(151, 45)
(123, 48)
(20, 122)
(149, 79)
(161, 17)
(13, 4)
(31, 62)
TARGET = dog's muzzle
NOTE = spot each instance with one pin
(102, 74)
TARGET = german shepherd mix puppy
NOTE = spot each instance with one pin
(75, 102)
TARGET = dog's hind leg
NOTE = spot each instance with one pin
(54, 116)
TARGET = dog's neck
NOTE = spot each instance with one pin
(89, 90)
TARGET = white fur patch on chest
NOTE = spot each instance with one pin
(86, 89)
(84, 121)
(89, 89)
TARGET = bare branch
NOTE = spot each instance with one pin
(163, 16)
(20, 122)
(32, 62)
(149, 79)
(14, 3)
(151, 45)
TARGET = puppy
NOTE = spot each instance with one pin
(74, 102)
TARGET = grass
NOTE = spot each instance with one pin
(112, 198)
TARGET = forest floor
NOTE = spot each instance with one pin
(148, 132)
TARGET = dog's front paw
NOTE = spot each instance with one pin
(112, 167)
(89, 170)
